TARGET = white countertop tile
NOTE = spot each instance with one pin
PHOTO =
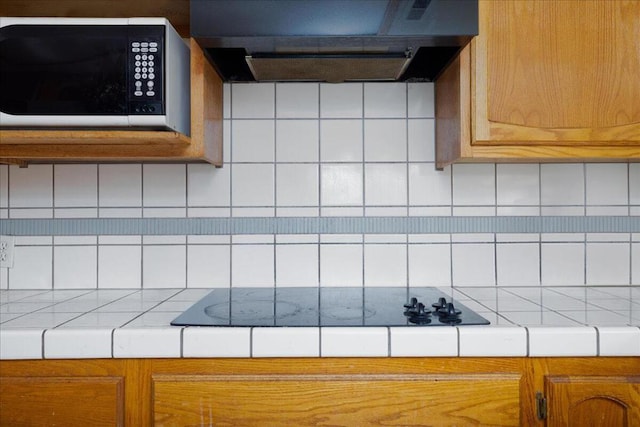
(216, 342)
(562, 341)
(78, 323)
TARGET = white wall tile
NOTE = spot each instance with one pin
(226, 100)
(253, 265)
(208, 266)
(421, 136)
(385, 140)
(341, 100)
(354, 342)
(424, 342)
(562, 341)
(31, 187)
(341, 265)
(473, 264)
(4, 186)
(75, 267)
(430, 265)
(607, 184)
(252, 185)
(297, 100)
(164, 185)
(297, 140)
(75, 185)
(341, 140)
(285, 342)
(297, 265)
(634, 183)
(252, 100)
(297, 185)
(164, 266)
(562, 184)
(518, 264)
(635, 263)
(119, 266)
(474, 184)
(385, 265)
(385, 100)
(497, 341)
(120, 185)
(341, 185)
(518, 184)
(421, 99)
(32, 268)
(608, 263)
(253, 140)
(562, 264)
(385, 184)
(208, 185)
(216, 342)
(428, 186)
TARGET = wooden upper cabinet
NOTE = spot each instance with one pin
(544, 79)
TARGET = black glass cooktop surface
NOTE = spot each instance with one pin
(328, 306)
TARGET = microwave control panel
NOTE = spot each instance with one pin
(145, 70)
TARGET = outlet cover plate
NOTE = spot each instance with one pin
(7, 245)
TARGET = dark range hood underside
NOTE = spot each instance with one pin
(332, 40)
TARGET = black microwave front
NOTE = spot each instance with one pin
(93, 73)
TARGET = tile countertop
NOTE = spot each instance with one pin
(123, 323)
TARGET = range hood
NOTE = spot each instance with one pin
(332, 40)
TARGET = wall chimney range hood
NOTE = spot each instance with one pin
(332, 40)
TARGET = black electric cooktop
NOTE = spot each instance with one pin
(328, 306)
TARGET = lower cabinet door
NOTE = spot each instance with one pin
(584, 401)
(336, 400)
(61, 401)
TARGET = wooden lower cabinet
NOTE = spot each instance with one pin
(320, 392)
(593, 400)
(354, 400)
(61, 401)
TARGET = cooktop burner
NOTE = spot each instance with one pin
(328, 306)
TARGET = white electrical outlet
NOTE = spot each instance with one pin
(6, 251)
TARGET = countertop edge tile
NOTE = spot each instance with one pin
(80, 343)
(147, 342)
(563, 341)
(21, 344)
(206, 342)
(499, 341)
(419, 342)
(354, 341)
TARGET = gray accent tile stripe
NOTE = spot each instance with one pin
(315, 225)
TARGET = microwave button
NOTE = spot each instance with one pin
(144, 76)
(153, 44)
(151, 76)
(138, 83)
(135, 49)
(138, 93)
(153, 49)
(135, 44)
(137, 69)
(151, 70)
(138, 63)
(144, 63)
(136, 76)
(144, 49)
(150, 93)
(144, 44)
(144, 69)
(144, 57)
(151, 63)
(151, 57)
(138, 57)
(150, 84)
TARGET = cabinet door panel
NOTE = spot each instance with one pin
(593, 401)
(562, 71)
(61, 401)
(362, 400)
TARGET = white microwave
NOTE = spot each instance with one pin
(113, 73)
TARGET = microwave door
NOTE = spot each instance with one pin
(65, 75)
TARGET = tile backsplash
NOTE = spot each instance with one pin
(346, 152)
